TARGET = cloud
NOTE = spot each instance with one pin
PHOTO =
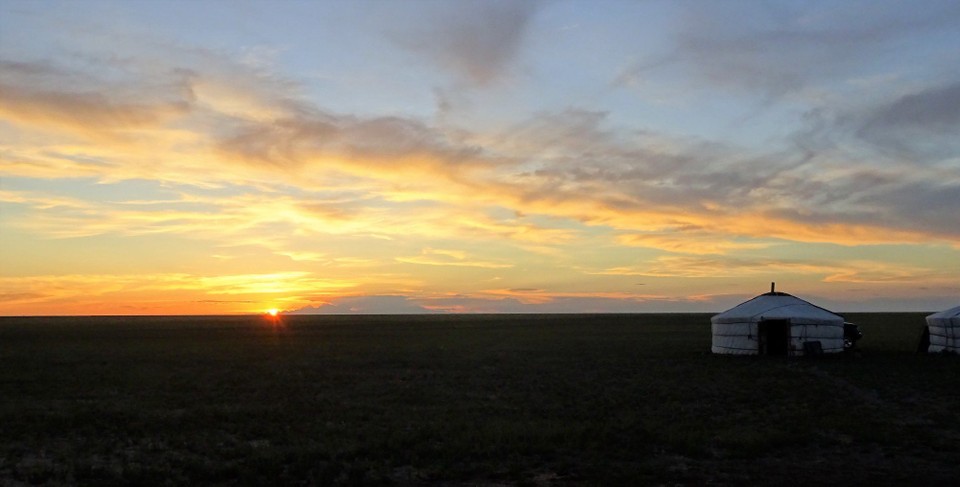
(919, 205)
(365, 305)
(573, 165)
(936, 109)
(455, 258)
(850, 271)
(40, 94)
(896, 127)
(890, 163)
(389, 144)
(306, 256)
(514, 301)
(72, 217)
(21, 297)
(575, 168)
(908, 212)
(690, 242)
(565, 164)
(245, 215)
(921, 125)
(776, 50)
(541, 301)
(476, 40)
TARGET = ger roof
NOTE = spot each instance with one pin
(947, 313)
(776, 306)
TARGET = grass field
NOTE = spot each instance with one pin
(464, 400)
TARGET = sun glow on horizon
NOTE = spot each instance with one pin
(273, 312)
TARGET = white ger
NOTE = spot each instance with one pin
(776, 323)
(944, 330)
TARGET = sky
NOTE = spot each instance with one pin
(219, 157)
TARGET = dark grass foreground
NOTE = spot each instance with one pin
(464, 400)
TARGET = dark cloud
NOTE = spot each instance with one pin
(936, 109)
(929, 206)
(476, 39)
(573, 157)
(774, 49)
(856, 163)
(575, 154)
(900, 169)
(919, 125)
(384, 141)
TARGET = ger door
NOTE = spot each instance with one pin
(774, 337)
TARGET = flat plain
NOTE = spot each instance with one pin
(476, 400)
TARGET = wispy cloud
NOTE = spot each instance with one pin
(475, 40)
(378, 304)
(690, 242)
(857, 271)
(456, 258)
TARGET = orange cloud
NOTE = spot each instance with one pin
(721, 266)
(90, 114)
(540, 296)
(456, 258)
(700, 243)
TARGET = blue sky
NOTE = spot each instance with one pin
(221, 157)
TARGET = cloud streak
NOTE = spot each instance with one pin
(724, 266)
(455, 258)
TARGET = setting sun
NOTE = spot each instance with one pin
(272, 311)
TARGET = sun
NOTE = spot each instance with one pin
(273, 311)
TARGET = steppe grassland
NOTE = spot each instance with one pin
(467, 399)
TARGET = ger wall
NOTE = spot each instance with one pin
(944, 336)
(741, 338)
